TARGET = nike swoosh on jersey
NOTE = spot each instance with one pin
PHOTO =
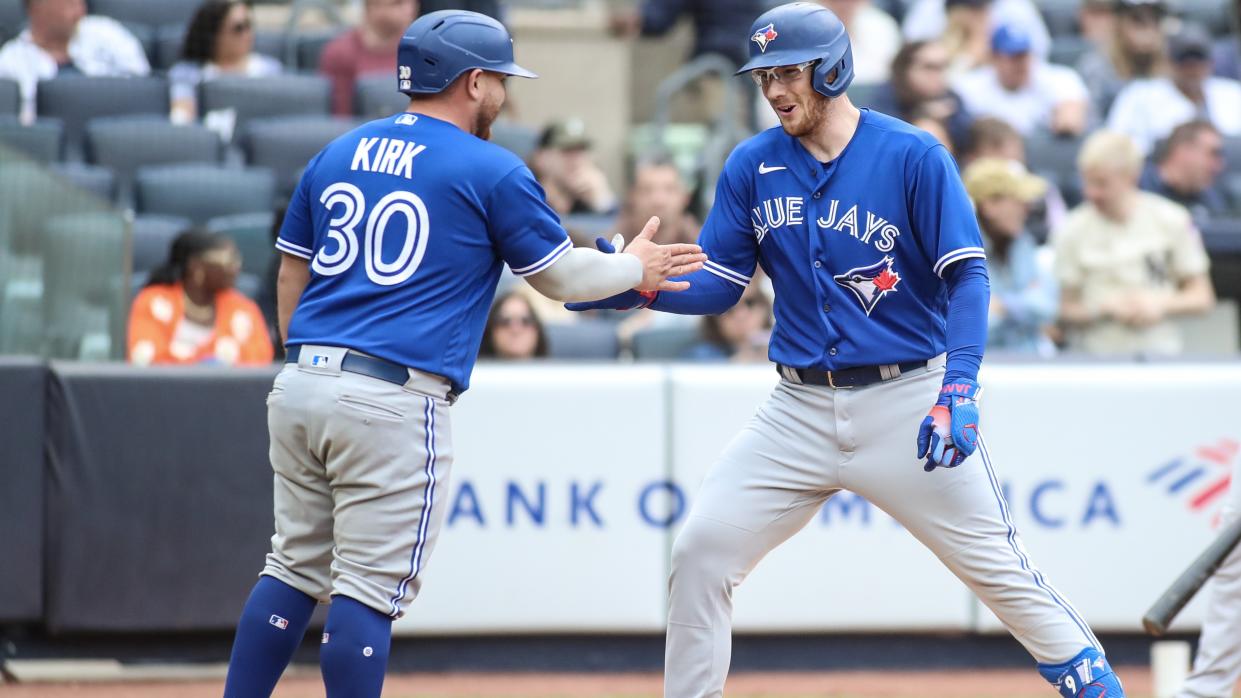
(764, 169)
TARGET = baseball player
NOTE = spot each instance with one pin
(392, 246)
(1217, 665)
(865, 229)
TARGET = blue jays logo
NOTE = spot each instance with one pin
(1199, 478)
(870, 283)
(764, 36)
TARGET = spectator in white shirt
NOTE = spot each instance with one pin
(1136, 49)
(874, 37)
(1148, 110)
(1027, 92)
(928, 19)
(62, 39)
(219, 43)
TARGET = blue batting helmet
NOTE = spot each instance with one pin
(799, 32)
(439, 46)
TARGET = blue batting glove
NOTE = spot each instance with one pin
(949, 433)
(622, 301)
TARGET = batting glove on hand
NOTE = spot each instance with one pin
(622, 301)
(949, 434)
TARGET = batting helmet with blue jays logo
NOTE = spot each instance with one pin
(799, 32)
(439, 46)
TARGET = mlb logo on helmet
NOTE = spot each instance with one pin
(279, 622)
(765, 36)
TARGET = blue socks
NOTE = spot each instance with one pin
(354, 653)
(271, 627)
(1088, 675)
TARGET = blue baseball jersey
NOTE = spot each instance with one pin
(855, 247)
(407, 222)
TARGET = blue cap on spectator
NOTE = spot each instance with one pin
(1010, 41)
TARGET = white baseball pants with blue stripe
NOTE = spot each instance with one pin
(361, 471)
(805, 444)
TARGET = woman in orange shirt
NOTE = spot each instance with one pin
(190, 313)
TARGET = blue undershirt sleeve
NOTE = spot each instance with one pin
(969, 294)
(708, 294)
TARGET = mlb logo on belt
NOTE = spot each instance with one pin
(279, 622)
(764, 36)
(319, 361)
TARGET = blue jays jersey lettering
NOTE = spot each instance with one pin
(855, 247)
(425, 212)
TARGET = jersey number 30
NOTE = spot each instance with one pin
(343, 230)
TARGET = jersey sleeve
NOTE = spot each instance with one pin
(942, 215)
(1189, 255)
(297, 232)
(728, 236)
(524, 229)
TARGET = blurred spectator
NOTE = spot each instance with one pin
(966, 25)
(658, 189)
(919, 88)
(936, 128)
(368, 49)
(62, 40)
(1127, 260)
(563, 165)
(739, 334)
(1023, 294)
(1096, 19)
(874, 37)
(189, 311)
(720, 26)
(1189, 163)
(1135, 49)
(218, 43)
(513, 330)
(1025, 91)
(1148, 110)
(990, 137)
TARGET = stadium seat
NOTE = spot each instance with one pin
(202, 192)
(253, 235)
(376, 97)
(96, 179)
(10, 97)
(21, 318)
(1212, 14)
(518, 139)
(146, 35)
(126, 143)
(271, 44)
(310, 48)
(1232, 154)
(39, 141)
(1060, 16)
(168, 42)
(1231, 184)
(77, 99)
(152, 239)
(587, 339)
(663, 344)
(255, 98)
(149, 12)
(83, 257)
(285, 144)
(1055, 158)
(12, 18)
(1068, 50)
(861, 95)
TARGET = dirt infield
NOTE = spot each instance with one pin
(935, 684)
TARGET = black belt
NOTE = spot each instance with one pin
(856, 377)
(354, 362)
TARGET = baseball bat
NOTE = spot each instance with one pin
(1171, 602)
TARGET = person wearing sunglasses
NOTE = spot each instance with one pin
(866, 231)
(189, 312)
(218, 43)
(514, 331)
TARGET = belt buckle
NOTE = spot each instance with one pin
(831, 383)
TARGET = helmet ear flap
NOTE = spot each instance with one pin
(840, 81)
